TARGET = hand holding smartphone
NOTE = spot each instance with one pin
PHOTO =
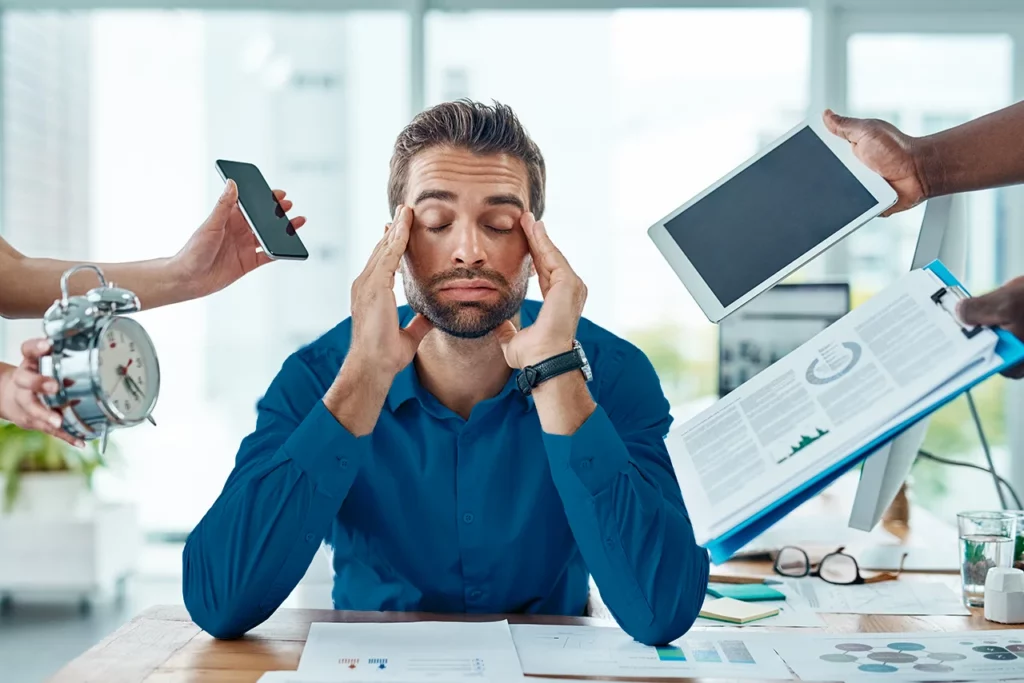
(265, 216)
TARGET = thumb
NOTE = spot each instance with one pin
(843, 126)
(504, 333)
(990, 309)
(227, 201)
(417, 329)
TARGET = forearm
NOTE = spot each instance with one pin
(563, 403)
(257, 541)
(632, 530)
(28, 286)
(357, 395)
(983, 153)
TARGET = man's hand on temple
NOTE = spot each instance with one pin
(380, 348)
(564, 296)
(1003, 307)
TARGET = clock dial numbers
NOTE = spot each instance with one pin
(125, 356)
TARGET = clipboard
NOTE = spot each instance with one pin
(1008, 348)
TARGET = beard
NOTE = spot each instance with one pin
(467, 319)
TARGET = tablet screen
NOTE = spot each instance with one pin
(768, 215)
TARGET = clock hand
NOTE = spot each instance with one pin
(133, 387)
(122, 371)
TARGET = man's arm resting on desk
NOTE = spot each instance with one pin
(622, 499)
(291, 477)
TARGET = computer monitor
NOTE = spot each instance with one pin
(777, 322)
(943, 236)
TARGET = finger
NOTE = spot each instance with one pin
(529, 224)
(994, 308)
(504, 334)
(34, 349)
(371, 262)
(34, 382)
(227, 201)
(845, 127)
(417, 329)
(551, 257)
(398, 238)
(285, 205)
(41, 417)
(298, 222)
(280, 194)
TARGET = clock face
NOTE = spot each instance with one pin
(128, 371)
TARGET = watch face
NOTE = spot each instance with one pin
(587, 372)
(128, 373)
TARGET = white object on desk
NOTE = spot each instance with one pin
(906, 598)
(609, 651)
(1004, 595)
(411, 651)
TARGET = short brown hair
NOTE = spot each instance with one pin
(479, 128)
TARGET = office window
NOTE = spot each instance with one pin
(943, 81)
(113, 120)
(635, 112)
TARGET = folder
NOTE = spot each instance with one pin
(1008, 349)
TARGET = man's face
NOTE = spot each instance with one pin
(467, 264)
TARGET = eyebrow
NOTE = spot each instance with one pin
(494, 200)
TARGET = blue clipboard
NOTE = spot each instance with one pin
(1008, 347)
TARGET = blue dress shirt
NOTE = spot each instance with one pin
(432, 512)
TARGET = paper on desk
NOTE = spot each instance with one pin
(928, 656)
(602, 651)
(299, 677)
(909, 598)
(411, 651)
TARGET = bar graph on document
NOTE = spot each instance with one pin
(417, 651)
(602, 652)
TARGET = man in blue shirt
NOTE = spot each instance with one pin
(444, 476)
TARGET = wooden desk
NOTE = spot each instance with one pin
(162, 645)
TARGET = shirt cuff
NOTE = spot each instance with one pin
(326, 451)
(595, 453)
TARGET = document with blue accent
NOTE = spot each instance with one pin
(784, 435)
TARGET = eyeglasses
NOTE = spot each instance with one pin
(836, 567)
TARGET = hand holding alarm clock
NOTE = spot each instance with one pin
(105, 365)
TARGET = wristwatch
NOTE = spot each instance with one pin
(575, 359)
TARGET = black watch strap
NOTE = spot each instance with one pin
(532, 375)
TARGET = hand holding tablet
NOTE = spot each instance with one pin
(769, 216)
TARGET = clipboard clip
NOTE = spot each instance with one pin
(949, 303)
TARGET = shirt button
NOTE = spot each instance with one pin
(468, 518)
(475, 595)
(310, 537)
(585, 464)
(343, 463)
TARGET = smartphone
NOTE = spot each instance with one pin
(267, 219)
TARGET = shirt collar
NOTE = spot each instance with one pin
(406, 385)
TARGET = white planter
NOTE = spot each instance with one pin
(50, 495)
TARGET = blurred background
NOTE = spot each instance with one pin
(114, 112)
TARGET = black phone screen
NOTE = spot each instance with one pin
(268, 220)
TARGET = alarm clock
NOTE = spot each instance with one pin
(105, 365)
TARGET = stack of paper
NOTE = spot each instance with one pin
(783, 436)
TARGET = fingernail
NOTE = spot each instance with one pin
(398, 211)
(51, 387)
(56, 421)
(80, 443)
(43, 345)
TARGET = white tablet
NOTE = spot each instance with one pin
(769, 216)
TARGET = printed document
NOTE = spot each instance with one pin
(928, 656)
(823, 402)
(411, 652)
(910, 598)
(603, 652)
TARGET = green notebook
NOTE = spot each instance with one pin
(747, 592)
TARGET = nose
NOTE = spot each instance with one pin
(468, 249)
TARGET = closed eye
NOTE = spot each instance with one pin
(439, 228)
(498, 230)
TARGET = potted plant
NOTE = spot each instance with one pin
(42, 475)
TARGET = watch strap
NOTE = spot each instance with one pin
(532, 375)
